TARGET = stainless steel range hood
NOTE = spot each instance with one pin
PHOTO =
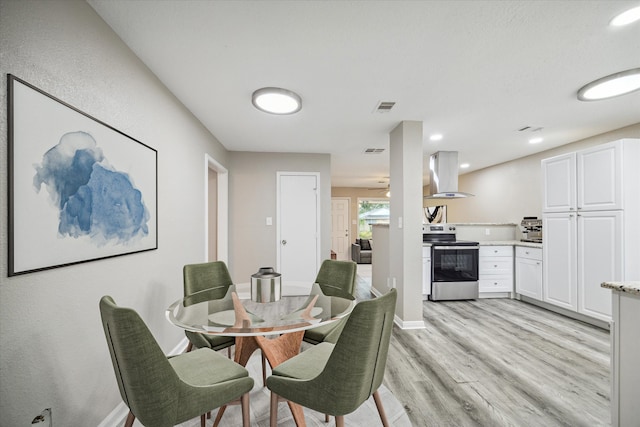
(444, 176)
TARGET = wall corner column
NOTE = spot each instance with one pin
(405, 222)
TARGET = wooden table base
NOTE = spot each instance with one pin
(276, 350)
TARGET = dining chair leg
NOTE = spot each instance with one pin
(189, 347)
(273, 411)
(203, 420)
(339, 420)
(219, 416)
(326, 418)
(229, 352)
(383, 416)
(130, 419)
(244, 403)
(264, 370)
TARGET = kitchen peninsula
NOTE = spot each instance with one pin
(625, 352)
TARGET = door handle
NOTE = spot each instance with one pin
(284, 242)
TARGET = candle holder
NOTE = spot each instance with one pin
(266, 285)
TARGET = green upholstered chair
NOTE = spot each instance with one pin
(210, 275)
(336, 278)
(336, 379)
(161, 391)
(196, 278)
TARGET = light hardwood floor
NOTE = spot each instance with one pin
(498, 362)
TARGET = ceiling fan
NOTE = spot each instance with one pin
(383, 191)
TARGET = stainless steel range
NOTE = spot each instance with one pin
(454, 263)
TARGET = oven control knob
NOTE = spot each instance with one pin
(452, 228)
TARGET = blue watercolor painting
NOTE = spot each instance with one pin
(93, 199)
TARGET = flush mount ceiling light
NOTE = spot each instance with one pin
(614, 85)
(275, 100)
(464, 165)
(435, 137)
(627, 17)
(536, 140)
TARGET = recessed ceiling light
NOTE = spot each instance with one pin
(614, 85)
(464, 165)
(536, 140)
(435, 137)
(627, 17)
(276, 100)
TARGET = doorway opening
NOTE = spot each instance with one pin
(216, 223)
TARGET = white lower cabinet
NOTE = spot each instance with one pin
(560, 260)
(581, 251)
(529, 272)
(426, 272)
(495, 269)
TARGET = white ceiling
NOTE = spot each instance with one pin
(475, 71)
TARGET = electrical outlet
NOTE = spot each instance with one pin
(487, 231)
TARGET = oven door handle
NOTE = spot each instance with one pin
(456, 248)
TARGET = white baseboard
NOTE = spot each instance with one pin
(118, 416)
(414, 324)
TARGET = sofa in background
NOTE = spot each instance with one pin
(361, 251)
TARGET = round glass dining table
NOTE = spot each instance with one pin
(301, 307)
(276, 327)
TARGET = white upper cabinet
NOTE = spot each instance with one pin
(599, 182)
(559, 183)
(589, 179)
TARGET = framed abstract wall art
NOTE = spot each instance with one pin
(79, 189)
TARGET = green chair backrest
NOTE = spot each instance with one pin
(207, 275)
(356, 366)
(337, 277)
(146, 380)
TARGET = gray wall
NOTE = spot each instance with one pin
(252, 198)
(52, 347)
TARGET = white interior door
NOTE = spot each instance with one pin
(298, 226)
(340, 242)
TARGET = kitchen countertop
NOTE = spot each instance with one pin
(483, 224)
(511, 243)
(628, 287)
(504, 243)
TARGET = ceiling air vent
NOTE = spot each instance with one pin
(373, 150)
(530, 129)
(384, 106)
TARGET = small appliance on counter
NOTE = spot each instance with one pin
(531, 229)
